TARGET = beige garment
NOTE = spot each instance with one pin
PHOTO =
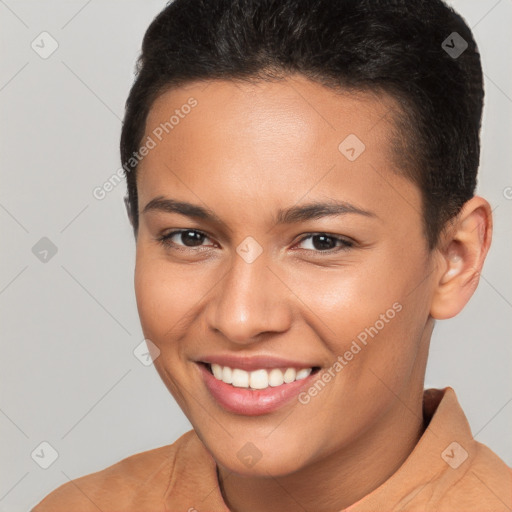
(447, 471)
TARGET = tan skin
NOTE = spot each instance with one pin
(245, 151)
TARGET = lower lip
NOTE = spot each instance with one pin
(252, 402)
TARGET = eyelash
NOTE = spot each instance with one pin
(165, 240)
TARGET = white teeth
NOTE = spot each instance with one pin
(275, 377)
(302, 374)
(258, 379)
(289, 375)
(240, 378)
(217, 371)
(227, 375)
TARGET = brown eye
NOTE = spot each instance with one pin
(324, 242)
(184, 238)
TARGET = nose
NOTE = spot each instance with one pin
(248, 301)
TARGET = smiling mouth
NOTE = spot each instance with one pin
(258, 379)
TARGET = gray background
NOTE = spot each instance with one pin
(70, 324)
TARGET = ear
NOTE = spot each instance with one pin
(461, 254)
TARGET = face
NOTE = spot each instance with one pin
(276, 241)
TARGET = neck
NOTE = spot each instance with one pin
(341, 479)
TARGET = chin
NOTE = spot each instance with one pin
(265, 467)
(260, 458)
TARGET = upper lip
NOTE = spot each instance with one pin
(255, 362)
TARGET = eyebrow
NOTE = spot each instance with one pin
(294, 214)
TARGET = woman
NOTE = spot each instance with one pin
(301, 180)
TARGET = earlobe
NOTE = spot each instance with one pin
(461, 255)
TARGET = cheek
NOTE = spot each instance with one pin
(162, 299)
(163, 303)
(344, 300)
(367, 315)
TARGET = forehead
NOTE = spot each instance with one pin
(268, 140)
(293, 112)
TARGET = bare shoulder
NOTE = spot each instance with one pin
(117, 486)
